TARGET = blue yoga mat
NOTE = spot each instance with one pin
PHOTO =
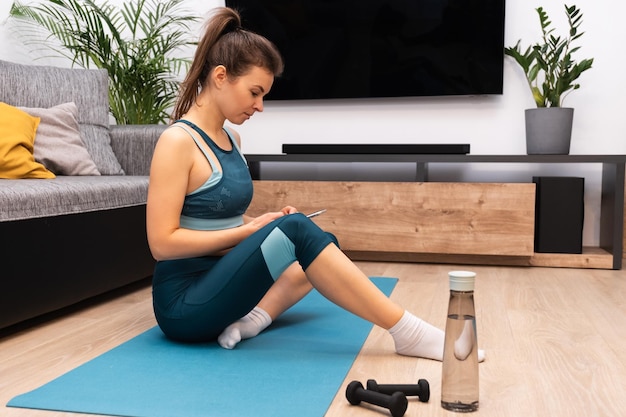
(294, 368)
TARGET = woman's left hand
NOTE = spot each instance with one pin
(289, 210)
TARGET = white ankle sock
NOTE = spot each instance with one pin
(463, 345)
(415, 337)
(246, 327)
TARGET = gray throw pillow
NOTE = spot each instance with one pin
(58, 145)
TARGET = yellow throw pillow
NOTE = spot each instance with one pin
(17, 136)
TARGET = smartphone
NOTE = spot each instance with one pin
(316, 213)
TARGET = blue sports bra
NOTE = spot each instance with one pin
(222, 200)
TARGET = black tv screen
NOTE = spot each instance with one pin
(381, 48)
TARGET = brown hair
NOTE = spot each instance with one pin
(225, 43)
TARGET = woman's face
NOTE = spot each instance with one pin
(243, 96)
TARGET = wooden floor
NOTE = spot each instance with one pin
(555, 341)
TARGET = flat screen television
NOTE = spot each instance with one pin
(381, 48)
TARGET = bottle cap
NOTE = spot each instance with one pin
(461, 280)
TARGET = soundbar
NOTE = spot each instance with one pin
(380, 149)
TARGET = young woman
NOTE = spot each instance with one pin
(222, 275)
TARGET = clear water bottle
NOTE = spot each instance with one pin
(459, 379)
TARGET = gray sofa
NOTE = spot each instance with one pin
(67, 239)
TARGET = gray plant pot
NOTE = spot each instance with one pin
(549, 130)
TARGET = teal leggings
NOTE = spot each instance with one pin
(196, 298)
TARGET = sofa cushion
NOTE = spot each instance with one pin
(47, 86)
(24, 199)
(17, 135)
(57, 142)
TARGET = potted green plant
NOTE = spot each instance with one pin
(136, 44)
(551, 72)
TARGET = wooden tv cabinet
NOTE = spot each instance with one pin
(425, 221)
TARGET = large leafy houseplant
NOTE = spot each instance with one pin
(136, 44)
(549, 67)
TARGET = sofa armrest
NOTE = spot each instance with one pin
(133, 146)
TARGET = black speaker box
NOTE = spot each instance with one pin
(559, 214)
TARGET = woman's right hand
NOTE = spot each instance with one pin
(264, 219)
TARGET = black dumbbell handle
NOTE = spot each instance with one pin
(396, 403)
(421, 389)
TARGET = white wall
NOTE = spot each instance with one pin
(491, 125)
